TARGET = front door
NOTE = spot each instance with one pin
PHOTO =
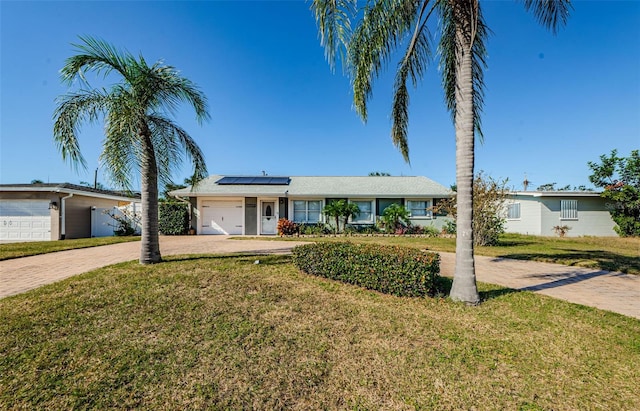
(268, 217)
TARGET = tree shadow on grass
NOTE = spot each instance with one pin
(444, 288)
(496, 293)
(243, 258)
(512, 243)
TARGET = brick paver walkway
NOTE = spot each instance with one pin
(611, 291)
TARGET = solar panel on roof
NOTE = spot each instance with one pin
(257, 180)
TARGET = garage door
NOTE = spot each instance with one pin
(25, 220)
(222, 217)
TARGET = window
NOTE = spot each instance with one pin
(568, 209)
(365, 215)
(513, 211)
(307, 211)
(419, 208)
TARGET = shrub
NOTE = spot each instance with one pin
(561, 231)
(124, 221)
(400, 271)
(489, 197)
(395, 217)
(361, 229)
(173, 218)
(449, 227)
(286, 227)
(429, 231)
(313, 229)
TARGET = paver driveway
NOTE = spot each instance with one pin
(23, 274)
(611, 291)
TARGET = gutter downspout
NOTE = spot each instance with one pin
(63, 210)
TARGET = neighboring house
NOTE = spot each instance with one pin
(43, 212)
(252, 205)
(536, 213)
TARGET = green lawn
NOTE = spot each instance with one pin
(606, 253)
(204, 332)
(25, 249)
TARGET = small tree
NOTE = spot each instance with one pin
(349, 210)
(125, 221)
(341, 208)
(489, 197)
(619, 177)
(395, 216)
(334, 209)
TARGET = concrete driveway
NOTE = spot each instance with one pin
(611, 291)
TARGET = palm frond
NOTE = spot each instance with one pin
(333, 18)
(121, 147)
(384, 24)
(450, 52)
(172, 143)
(414, 64)
(550, 13)
(71, 111)
(168, 89)
(95, 55)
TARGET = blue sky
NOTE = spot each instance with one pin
(552, 104)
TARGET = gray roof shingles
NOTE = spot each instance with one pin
(354, 186)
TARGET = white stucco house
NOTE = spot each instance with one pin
(51, 211)
(536, 213)
(252, 205)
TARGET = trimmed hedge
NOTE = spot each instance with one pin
(400, 271)
(173, 218)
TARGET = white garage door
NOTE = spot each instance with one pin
(25, 220)
(222, 217)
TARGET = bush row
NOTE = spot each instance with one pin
(400, 271)
(287, 227)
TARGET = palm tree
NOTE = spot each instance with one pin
(139, 135)
(349, 210)
(334, 209)
(386, 26)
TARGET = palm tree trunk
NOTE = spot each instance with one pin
(150, 244)
(464, 286)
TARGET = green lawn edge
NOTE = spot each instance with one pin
(27, 249)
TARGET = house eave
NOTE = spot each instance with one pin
(67, 191)
(539, 194)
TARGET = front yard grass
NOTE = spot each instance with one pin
(204, 332)
(25, 249)
(604, 253)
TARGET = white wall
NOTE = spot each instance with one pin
(538, 216)
(593, 217)
(530, 216)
